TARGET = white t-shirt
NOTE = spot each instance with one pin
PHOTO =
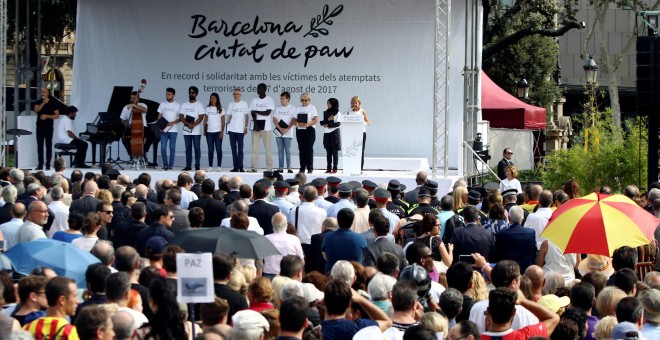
(194, 110)
(258, 104)
(238, 114)
(523, 317)
(85, 243)
(66, 124)
(310, 110)
(170, 111)
(126, 114)
(214, 119)
(285, 114)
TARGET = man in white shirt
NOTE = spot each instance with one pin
(241, 206)
(117, 290)
(307, 219)
(10, 229)
(65, 135)
(32, 229)
(184, 182)
(261, 109)
(283, 120)
(126, 117)
(286, 244)
(169, 109)
(539, 220)
(506, 273)
(191, 114)
(60, 210)
(237, 128)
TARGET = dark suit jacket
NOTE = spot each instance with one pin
(518, 244)
(85, 205)
(380, 246)
(501, 166)
(126, 232)
(150, 209)
(5, 212)
(317, 262)
(473, 239)
(263, 212)
(197, 189)
(214, 210)
(231, 197)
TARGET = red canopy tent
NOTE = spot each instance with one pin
(506, 111)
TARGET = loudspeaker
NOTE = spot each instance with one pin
(648, 95)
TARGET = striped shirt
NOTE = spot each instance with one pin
(52, 328)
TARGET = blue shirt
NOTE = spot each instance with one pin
(343, 244)
(343, 328)
(343, 203)
(284, 205)
(65, 237)
(443, 216)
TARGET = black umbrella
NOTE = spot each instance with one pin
(235, 242)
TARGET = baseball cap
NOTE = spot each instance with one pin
(553, 302)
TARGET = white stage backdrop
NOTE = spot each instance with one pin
(379, 50)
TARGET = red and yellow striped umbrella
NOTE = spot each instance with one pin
(599, 224)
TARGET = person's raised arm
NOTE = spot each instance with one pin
(545, 316)
(372, 310)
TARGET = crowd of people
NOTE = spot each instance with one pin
(356, 260)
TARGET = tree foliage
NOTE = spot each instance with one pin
(601, 155)
(519, 40)
(58, 18)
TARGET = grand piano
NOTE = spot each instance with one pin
(107, 127)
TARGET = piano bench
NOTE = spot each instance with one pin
(62, 149)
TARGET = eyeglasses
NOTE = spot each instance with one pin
(170, 216)
(41, 211)
(304, 100)
(109, 212)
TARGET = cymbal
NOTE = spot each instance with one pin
(18, 132)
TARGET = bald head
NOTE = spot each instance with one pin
(141, 191)
(122, 324)
(123, 180)
(18, 211)
(421, 177)
(168, 183)
(279, 222)
(91, 188)
(235, 182)
(535, 274)
(330, 223)
(200, 176)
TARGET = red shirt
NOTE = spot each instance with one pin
(522, 334)
(261, 306)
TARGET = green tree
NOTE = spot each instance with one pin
(519, 40)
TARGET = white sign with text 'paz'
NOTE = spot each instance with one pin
(194, 278)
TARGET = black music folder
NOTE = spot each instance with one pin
(302, 118)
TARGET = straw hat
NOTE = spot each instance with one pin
(596, 263)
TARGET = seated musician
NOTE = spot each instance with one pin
(65, 135)
(126, 115)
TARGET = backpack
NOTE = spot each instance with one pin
(408, 231)
(453, 224)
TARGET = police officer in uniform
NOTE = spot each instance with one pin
(433, 189)
(423, 205)
(370, 186)
(395, 188)
(333, 189)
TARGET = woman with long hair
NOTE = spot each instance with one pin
(168, 321)
(331, 136)
(214, 128)
(356, 108)
(429, 234)
(572, 189)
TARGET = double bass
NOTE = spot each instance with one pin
(137, 129)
